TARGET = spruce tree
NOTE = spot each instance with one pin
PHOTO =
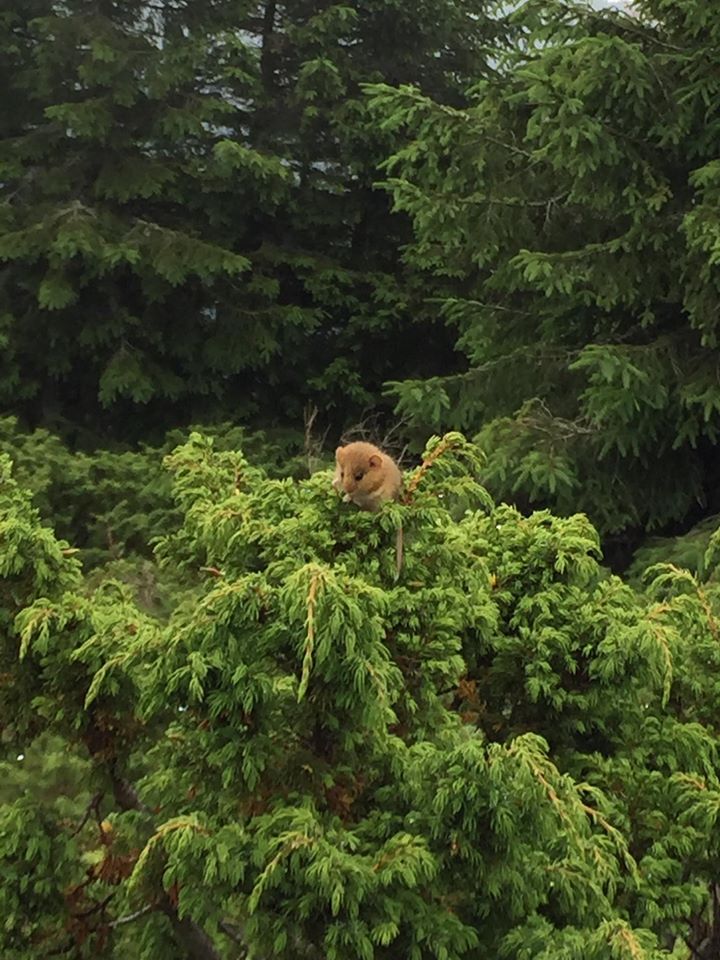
(575, 201)
(188, 220)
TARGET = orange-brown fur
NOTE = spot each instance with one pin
(368, 476)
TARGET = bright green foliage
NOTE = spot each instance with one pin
(500, 752)
(576, 199)
(187, 214)
(113, 504)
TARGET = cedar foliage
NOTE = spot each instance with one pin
(575, 200)
(505, 752)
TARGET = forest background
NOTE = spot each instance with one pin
(232, 234)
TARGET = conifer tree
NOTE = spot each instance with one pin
(504, 752)
(187, 215)
(575, 198)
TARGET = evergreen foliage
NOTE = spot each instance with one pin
(187, 215)
(230, 726)
(504, 752)
(575, 202)
(114, 504)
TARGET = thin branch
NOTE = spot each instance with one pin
(520, 201)
(133, 916)
(230, 931)
(92, 807)
(97, 907)
(311, 445)
(511, 148)
(188, 934)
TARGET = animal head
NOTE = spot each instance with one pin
(360, 466)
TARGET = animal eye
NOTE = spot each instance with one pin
(359, 476)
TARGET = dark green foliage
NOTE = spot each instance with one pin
(52, 772)
(187, 213)
(506, 752)
(688, 551)
(576, 200)
(36, 858)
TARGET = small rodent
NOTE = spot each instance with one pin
(368, 476)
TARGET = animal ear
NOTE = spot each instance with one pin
(374, 460)
(338, 453)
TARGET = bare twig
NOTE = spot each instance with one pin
(367, 428)
(92, 807)
(133, 916)
(312, 444)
